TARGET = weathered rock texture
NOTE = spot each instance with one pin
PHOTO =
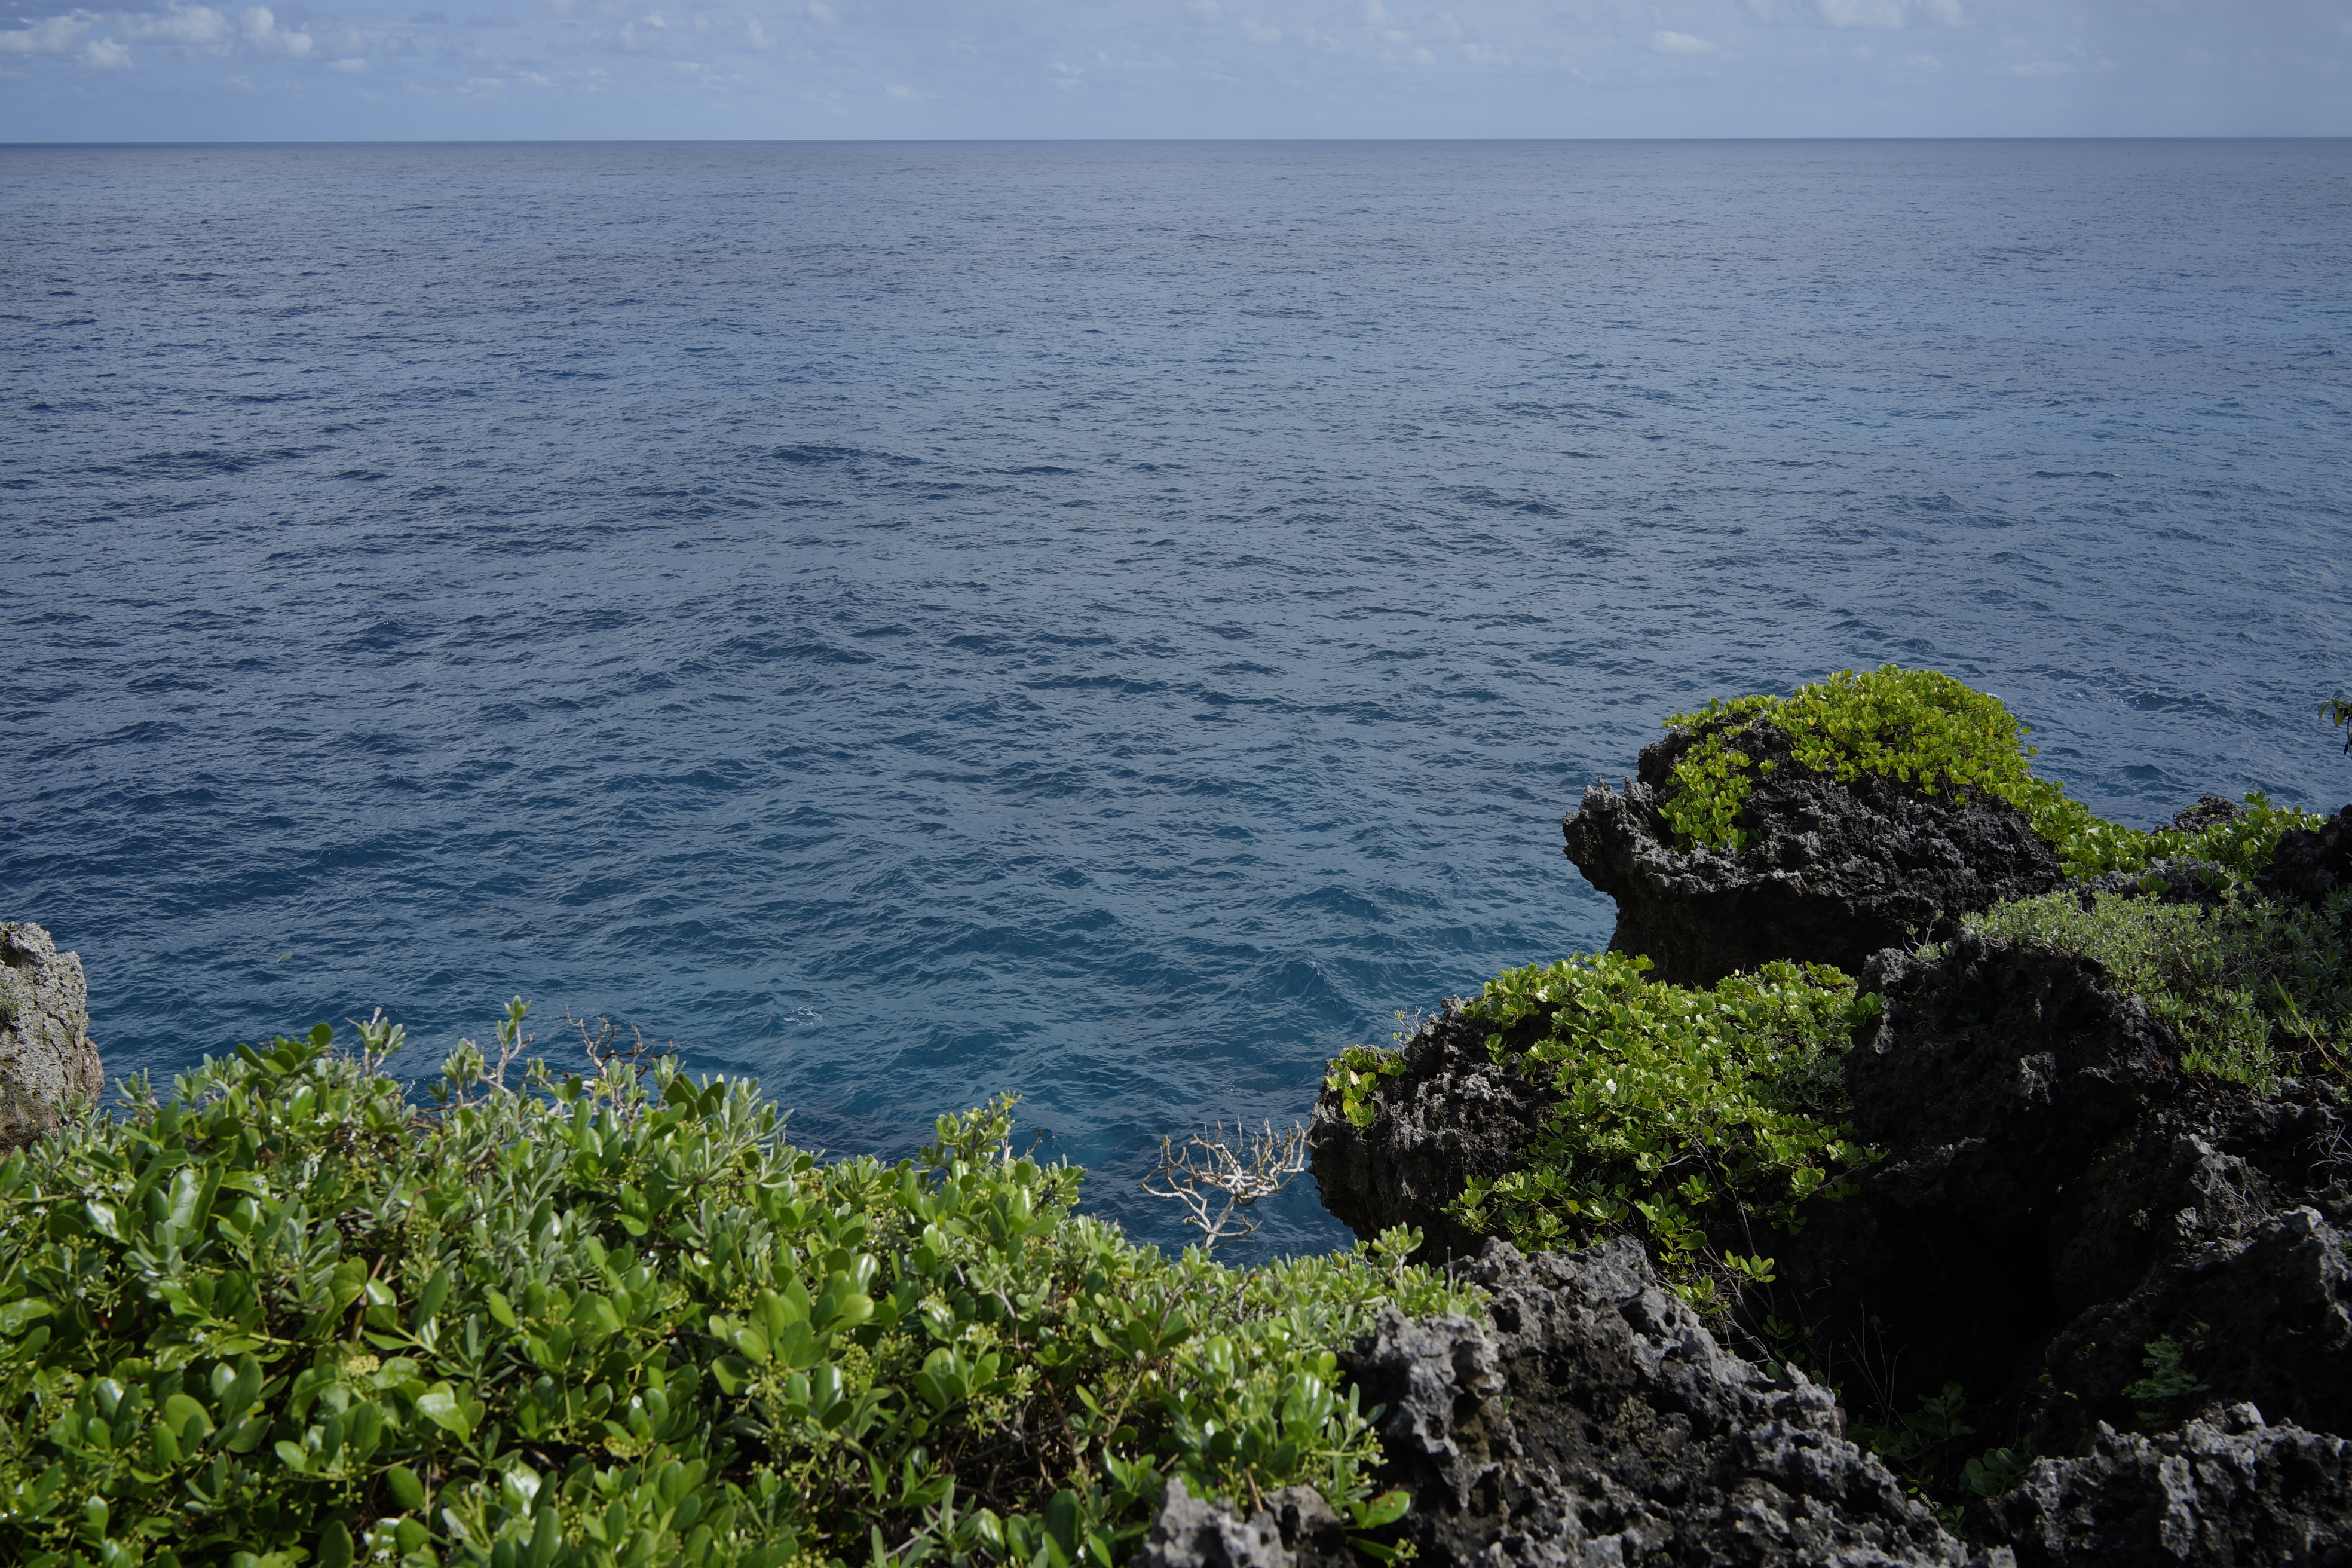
(46, 1052)
(1295, 1529)
(1451, 1115)
(1836, 871)
(2056, 1195)
(2310, 865)
(1598, 1422)
(2223, 1491)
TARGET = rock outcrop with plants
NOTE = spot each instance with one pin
(2019, 1129)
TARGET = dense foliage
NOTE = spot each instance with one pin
(287, 1315)
(2248, 985)
(1695, 1119)
(1922, 727)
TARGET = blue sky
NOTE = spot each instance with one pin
(175, 69)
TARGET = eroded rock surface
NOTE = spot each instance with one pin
(45, 1053)
(1836, 871)
(2310, 865)
(1295, 1529)
(2222, 1492)
(1451, 1115)
(1598, 1422)
(2057, 1196)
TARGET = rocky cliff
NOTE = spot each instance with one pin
(2056, 1198)
(46, 1056)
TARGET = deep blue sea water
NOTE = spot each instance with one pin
(1110, 621)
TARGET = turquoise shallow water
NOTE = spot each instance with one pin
(1109, 622)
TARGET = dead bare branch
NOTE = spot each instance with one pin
(1242, 1169)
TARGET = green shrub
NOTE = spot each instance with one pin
(1683, 1111)
(2248, 985)
(287, 1316)
(1926, 729)
(2169, 1391)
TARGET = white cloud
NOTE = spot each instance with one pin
(1680, 44)
(348, 67)
(105, 54)
(1863, 13)
(261, 30)
(1204, 10)
(1891, 13)
(1259, 33)
(903, 94)
(2040, 68)
(756, 34)
(819, 11)
(190, 24)
(532, 79)
(1480, 55)
(49, 35)
(483, 86)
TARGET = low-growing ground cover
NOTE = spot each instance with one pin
(1923, 729)
(2248, 985)
(285, 1315)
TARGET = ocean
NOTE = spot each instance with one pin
(1115, 622)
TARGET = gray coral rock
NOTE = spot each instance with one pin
(1598, 1422)
(46, 1056)
(2223, 1491)
(1295, 1529)
(1452, 1114)
(2310, 864)
(2057, 1195)
(1836, 871)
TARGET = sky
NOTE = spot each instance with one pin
(823, 69)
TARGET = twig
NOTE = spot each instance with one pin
(1207, 1165)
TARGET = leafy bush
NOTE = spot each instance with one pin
(1923, 728)
(1681, 1110)
(1917, 726)
(287, 1316)
(1355, 1072)
(2247, 985)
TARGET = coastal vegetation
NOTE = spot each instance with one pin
(2248, 985)
(287, 1313)
(1923, 729)
(1677, 1106)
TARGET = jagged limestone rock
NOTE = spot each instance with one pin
(1836, 871)
(1295, 1529)
(2057, 1196)
(1452, 1114)
(2222, 1492)
(46, 1056)
(1597, 1420)
(2311, 863)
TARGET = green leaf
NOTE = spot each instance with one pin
(406, 1488)
(442, 1405)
